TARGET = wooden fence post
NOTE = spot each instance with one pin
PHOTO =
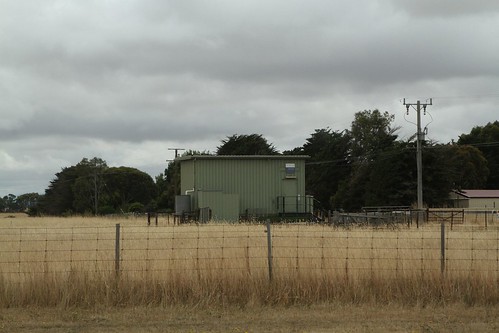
(442, 247)
(117, 251)
(269, 245)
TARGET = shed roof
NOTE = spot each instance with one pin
(243, 157)
(470, 194)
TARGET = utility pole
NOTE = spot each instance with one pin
(176, 150)
(419, 151)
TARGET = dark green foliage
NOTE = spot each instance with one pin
(351, 194)
(392, 177)
(486, 139)
(253, 144)
(162, 185)
(125, 185)
(59, 197)
(27, 201)
(168, 184)
(383, 170)
(466, 166)
(362, 166)
(136, 207)
(73, 190)
(328, 164)
(88, 186)
(370, 134)
(91, 187)
(9, 203)
(438, 177)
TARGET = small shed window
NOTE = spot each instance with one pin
(290, 170)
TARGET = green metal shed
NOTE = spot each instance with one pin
(235, 187)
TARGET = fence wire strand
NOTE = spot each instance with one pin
(242, 249)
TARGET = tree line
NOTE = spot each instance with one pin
(368, 165)
(365, 165)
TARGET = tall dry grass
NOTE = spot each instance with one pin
(71, 262)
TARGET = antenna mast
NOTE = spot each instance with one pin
(176, 150)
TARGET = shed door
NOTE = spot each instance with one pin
(290, 194)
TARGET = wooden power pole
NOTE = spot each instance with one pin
(419, 152)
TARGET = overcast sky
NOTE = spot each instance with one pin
(126, 80)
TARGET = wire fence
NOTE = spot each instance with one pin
(249, 250)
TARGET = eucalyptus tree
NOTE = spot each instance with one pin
(9, 203)
(88, 186)
(27, 201)
(370, 135)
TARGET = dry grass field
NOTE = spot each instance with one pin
(218, 274)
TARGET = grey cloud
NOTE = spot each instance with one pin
(270, 53)
(115, 79)
(447, 8)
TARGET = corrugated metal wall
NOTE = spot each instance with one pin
(258, 181)
(223, 206)
(474, 203)
(187, 181)
(484, 203)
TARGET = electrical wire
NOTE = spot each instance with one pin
(478, 96)
(410, 122)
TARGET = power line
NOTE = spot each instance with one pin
(348, 160)
(484, 144)
(478, 96)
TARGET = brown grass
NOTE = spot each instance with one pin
(331, 317)
(69, 262)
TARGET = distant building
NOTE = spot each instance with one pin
(475, 199)
(235, 187)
